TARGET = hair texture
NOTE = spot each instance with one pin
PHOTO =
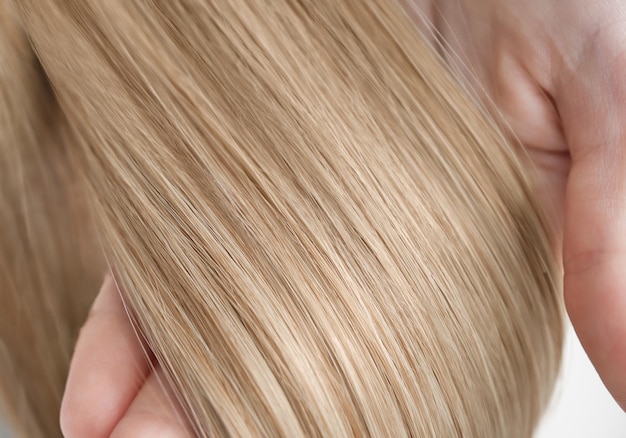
(317, 231)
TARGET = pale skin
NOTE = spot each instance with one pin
(557, 71)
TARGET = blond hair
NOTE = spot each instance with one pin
(318, 233)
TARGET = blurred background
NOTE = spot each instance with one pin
(4, 432)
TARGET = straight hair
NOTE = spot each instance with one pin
(317, 231)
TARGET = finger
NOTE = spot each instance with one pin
(153, 413)
(108, 368)
(532, 119)
(592, 102)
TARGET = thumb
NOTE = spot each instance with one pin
(592, 104)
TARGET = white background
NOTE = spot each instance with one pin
(581, 406)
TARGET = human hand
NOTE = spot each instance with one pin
(556, 70)
(113, 390)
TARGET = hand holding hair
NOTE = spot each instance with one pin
(537, 80)
(557, 72)
(317, 232)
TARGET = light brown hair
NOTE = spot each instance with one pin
(318, 233)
